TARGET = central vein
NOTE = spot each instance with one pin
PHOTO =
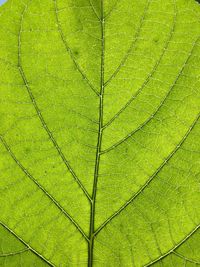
(99, 142)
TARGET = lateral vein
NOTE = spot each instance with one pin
(175, 247)
(42, 188)
(68, 49)
(27, 245)
(40, 116)
(152, 177)
(159, 107)
(150, 75)
(131, 46)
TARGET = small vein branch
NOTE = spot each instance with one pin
(152, 177)
(14, 253)
(185, 258)
(27, 245)
(114, 7)
(42, 188)
(94, 10)
(40, 116)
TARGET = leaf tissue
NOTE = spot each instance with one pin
(99, 133)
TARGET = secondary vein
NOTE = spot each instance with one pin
(42, 188)
(175, 247)
(149, 76)
(179, 145)
(27, 245)
(152, 116)
(133, 43)
(78, 67)
(40, 116)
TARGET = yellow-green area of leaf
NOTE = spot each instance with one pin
(99, 133)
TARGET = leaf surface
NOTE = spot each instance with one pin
(99, 133)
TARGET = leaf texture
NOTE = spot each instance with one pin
(99, 133)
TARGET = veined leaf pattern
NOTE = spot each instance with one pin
(99, 133)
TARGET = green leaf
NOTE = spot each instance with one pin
(99, 133)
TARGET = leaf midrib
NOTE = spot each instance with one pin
(99, 142)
